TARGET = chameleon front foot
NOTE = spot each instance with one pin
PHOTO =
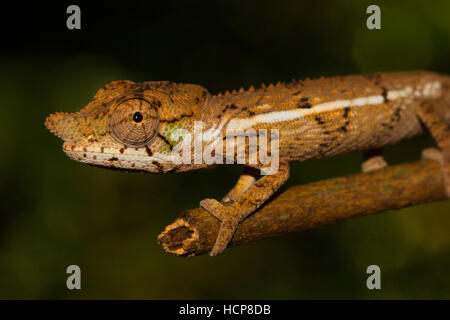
(251, 195)
(229, 223)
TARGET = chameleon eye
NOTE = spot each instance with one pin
(134, 122)
(137, 117)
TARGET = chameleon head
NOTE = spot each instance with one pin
(130, 125)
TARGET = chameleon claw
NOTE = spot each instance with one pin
(374, 163)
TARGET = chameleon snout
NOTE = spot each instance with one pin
(61, 124)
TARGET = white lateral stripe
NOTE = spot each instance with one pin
(279, 116)
(395, 94)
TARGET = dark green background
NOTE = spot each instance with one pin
(55, 212)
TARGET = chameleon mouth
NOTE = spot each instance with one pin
(127, 159)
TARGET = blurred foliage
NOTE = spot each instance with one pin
(56, 212)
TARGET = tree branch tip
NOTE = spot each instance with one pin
(186, 234)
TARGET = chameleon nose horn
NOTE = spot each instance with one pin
(61, 124)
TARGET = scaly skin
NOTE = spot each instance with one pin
(134, 126)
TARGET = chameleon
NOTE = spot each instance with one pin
(139, 126)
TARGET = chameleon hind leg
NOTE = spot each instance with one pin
(434, 115)
(231, 215)
(245, 181)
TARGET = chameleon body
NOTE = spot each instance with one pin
(136, 126)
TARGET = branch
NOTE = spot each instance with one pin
(307, 206)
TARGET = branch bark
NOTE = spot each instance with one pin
(307, 206)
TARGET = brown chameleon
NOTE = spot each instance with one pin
(162, 127)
